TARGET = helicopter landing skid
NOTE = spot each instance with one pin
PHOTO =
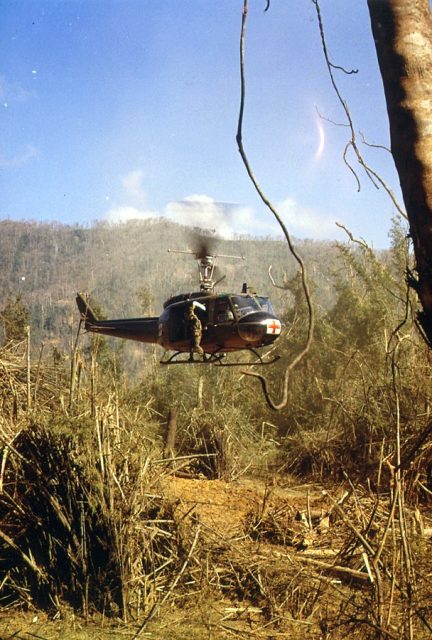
(259, 362)
(208, 358)
(218, 360)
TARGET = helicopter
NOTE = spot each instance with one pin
(230, 322)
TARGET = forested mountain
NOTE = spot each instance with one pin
(128, 270)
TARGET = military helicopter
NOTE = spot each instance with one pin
(230, 322)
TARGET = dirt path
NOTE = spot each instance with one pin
(225, 507)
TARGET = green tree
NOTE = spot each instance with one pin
(145, 299)
(15, 318)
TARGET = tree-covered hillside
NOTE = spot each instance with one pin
(128, 270)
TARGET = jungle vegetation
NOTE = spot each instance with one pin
(91, 444)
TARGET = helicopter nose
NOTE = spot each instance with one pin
(260, 329)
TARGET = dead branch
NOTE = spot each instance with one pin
(374, 177)
(239, 137)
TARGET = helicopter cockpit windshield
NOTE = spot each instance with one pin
(245, 304)
(265, 304)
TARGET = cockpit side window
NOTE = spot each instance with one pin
(222, 311)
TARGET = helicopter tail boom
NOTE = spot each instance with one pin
(140, 329)
(87, 313)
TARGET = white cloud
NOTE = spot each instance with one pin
(306, 222)
(200, 211)
(133, 187)
(228, 219)
(225, 218)
(134, 195)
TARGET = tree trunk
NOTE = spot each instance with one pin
(402, 31)
(171, 433)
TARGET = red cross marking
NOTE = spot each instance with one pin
(274, 326)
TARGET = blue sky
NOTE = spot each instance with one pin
(116, 109)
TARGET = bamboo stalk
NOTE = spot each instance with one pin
(38, 371)
(74, 365)
(27, 558)
(28, 334)
(154, 610)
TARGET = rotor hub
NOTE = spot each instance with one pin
(206, 268)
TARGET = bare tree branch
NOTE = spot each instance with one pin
(374, 146)
(269, 205)
(273, 281)
(352, 144)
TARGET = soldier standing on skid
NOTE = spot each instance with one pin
(194, 329)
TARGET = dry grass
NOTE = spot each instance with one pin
(94, 522)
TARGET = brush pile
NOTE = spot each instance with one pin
(81, 536)
(54, 539)
(81, 521)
